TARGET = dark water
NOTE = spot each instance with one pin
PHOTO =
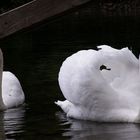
(35, 57)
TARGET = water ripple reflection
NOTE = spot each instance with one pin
(12, 122)
(87, 130)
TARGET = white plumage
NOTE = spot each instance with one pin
(108, 95)
(11, 93)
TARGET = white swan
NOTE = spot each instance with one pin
(108, 95)
(11, 93)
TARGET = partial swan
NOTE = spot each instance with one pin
(11, 93)
(101, 85)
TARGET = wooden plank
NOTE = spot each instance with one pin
(33, 12)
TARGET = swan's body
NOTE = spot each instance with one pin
(11, 93)
(108, 95)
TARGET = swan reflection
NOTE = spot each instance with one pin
(87, 130)
(11, 123)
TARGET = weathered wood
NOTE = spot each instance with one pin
(33, 12)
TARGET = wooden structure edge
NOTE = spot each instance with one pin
(32, 13)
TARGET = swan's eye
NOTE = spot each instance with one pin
(103, 67)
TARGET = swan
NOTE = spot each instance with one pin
(11, 93)
(101, 85)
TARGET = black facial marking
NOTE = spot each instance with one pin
(104, 67)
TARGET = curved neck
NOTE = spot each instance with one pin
(2, 106)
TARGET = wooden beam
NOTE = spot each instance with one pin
(33, 12)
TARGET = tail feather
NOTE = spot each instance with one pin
(64, 105)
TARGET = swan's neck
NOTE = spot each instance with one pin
(2, 106)
(139, 65)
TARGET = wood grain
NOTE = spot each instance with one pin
(33, 12)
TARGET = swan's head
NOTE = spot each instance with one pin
(121, 63)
